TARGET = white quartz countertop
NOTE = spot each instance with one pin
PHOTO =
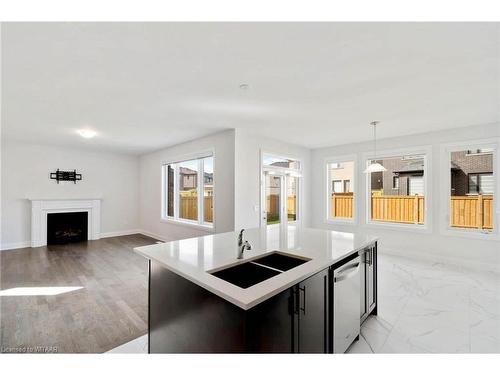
(195, 258)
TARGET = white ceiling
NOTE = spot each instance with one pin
(143, 86)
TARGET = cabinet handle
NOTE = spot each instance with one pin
(297, 301)
(303, 308)
(291, 304)
(325, 347)
(369, 257)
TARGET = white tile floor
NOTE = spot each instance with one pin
(423, 308)
(432, 308)
(137, 346)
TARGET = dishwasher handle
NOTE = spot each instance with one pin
(344, 275)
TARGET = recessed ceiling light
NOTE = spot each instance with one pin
(244, 86)
(87, 133)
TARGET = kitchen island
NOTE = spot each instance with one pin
(309, 296)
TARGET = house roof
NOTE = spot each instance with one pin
(184, 170)
(454, 166)
(188, 171)
(414, 166)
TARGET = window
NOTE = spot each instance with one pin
(397, 195)
(340, 195)
(291, 197)
(337, 186)
(472, 189)
(170, 190)
(279, 162)
(395, 182)
(273, 198)
(280, 190)
(208, 190)
(347, 186)
(188, 191)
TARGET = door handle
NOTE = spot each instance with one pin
(343, 275)
(347, 268)
(303, 308)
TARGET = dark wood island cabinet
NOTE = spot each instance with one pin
(187, 318)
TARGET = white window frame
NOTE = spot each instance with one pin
(446, 149)
(426, 151)
(293, 172)
(327, 202)
(199, 223)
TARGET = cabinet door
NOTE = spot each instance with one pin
(269, 325)
(312, 310)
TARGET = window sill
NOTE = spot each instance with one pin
(340, 221)
(472, 234)
(399, 226)
(189, 224)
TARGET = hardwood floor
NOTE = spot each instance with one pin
(109, 309)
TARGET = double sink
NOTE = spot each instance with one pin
(259, 269)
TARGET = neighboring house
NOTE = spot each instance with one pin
(189, 180)
(341, 177)
(403, 177)
(471, 173)
(409, 179)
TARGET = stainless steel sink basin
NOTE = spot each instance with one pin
(257, 270)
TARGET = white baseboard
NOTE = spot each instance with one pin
(15, 245)
(153, 235)
(120, 233)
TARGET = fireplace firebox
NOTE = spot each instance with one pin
(66, 227)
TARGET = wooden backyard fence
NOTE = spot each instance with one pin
(189, 208)
(273, 206)
(398, 209)
(342, 205)
(475, 211)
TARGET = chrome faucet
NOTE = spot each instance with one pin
(242, 246)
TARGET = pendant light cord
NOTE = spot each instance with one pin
(374, 123)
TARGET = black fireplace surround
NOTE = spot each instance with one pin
(66, 227)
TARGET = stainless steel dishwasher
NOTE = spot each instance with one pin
(346, 309)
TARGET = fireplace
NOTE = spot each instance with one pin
(66, 227)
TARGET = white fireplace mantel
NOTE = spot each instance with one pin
(41, 207)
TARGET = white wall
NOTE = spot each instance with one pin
(25, 174)
(248, 176)
(150, 186)
(473, 252)
(131, 189)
